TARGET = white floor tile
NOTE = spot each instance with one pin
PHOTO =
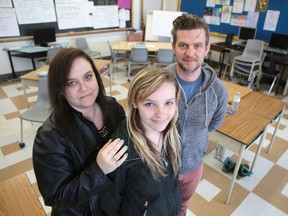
(260, 169)
(285, 190)
(3, 162)
(207, 190)
(7, 138)
(123, 92)
(7, 106)
(31, 176)
(283, 161)
(16, 157)
(46, 208)
(11, 90)
(256, 206)
(190, 213)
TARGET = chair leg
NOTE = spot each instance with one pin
(231, 74)
(224, 72)
(250, 82)
(272, 85)
(21, 144)
(129, 71)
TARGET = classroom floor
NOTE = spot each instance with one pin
(265, 192)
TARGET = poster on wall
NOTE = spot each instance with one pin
(271, 20)
(29, 12)
(8, 23)
(226, 14)
(262, 5)
(252, 19)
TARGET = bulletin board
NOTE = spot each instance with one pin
(197, 7)
(27, 29)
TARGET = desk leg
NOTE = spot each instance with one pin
(275, 130)
(33, 63)
(259, 147)
(222, 56)
(286, 87)
(235, 173)
(279, 78)
(11, 64)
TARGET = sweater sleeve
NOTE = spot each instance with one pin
(59, 183)
(222, 102)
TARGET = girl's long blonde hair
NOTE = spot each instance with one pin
(145, 83)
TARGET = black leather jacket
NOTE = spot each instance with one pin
(135, 191)
(68, 176)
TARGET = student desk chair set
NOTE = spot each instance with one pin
(240, 130)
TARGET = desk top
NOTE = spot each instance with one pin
(151, 46)
(99, 63)
(274, 53)
(35, 49)
(243, 126)
(255, 113)
(263, 105)
(218, 47)
(17, 197)
(232, 88)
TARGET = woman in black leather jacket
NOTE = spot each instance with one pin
(72, 151)
(147, 182)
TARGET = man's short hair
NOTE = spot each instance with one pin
(190, 22)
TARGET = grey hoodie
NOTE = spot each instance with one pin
(203, 113)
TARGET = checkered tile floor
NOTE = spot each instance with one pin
(265, 192)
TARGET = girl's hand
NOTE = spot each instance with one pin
(112, 155)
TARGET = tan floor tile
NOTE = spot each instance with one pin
(8, 149)
(106, 82)
(277, 150)
(271, 186)
(217, 206)
(2, 94)
(115, 93)
(16, 169)
(126, 85)
(20, 102)
(12, 115)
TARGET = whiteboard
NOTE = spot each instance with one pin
(159, 23)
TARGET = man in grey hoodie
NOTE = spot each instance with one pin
(203, 101)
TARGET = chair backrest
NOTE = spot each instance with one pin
(164, 39)
(111, 51)
(254, 48)
(165, 56)
(82, 44)
(51, 52)
(43, 94)
(139, 55)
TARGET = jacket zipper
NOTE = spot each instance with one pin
(145, 208)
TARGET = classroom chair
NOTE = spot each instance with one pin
(164, 57)
(81, 43)
(249, 64)
(40, 111)
(51, 53)
(115, 56)
(138, 56)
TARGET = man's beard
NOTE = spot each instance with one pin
(191, 71)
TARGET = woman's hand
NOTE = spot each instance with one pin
(112, 155)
